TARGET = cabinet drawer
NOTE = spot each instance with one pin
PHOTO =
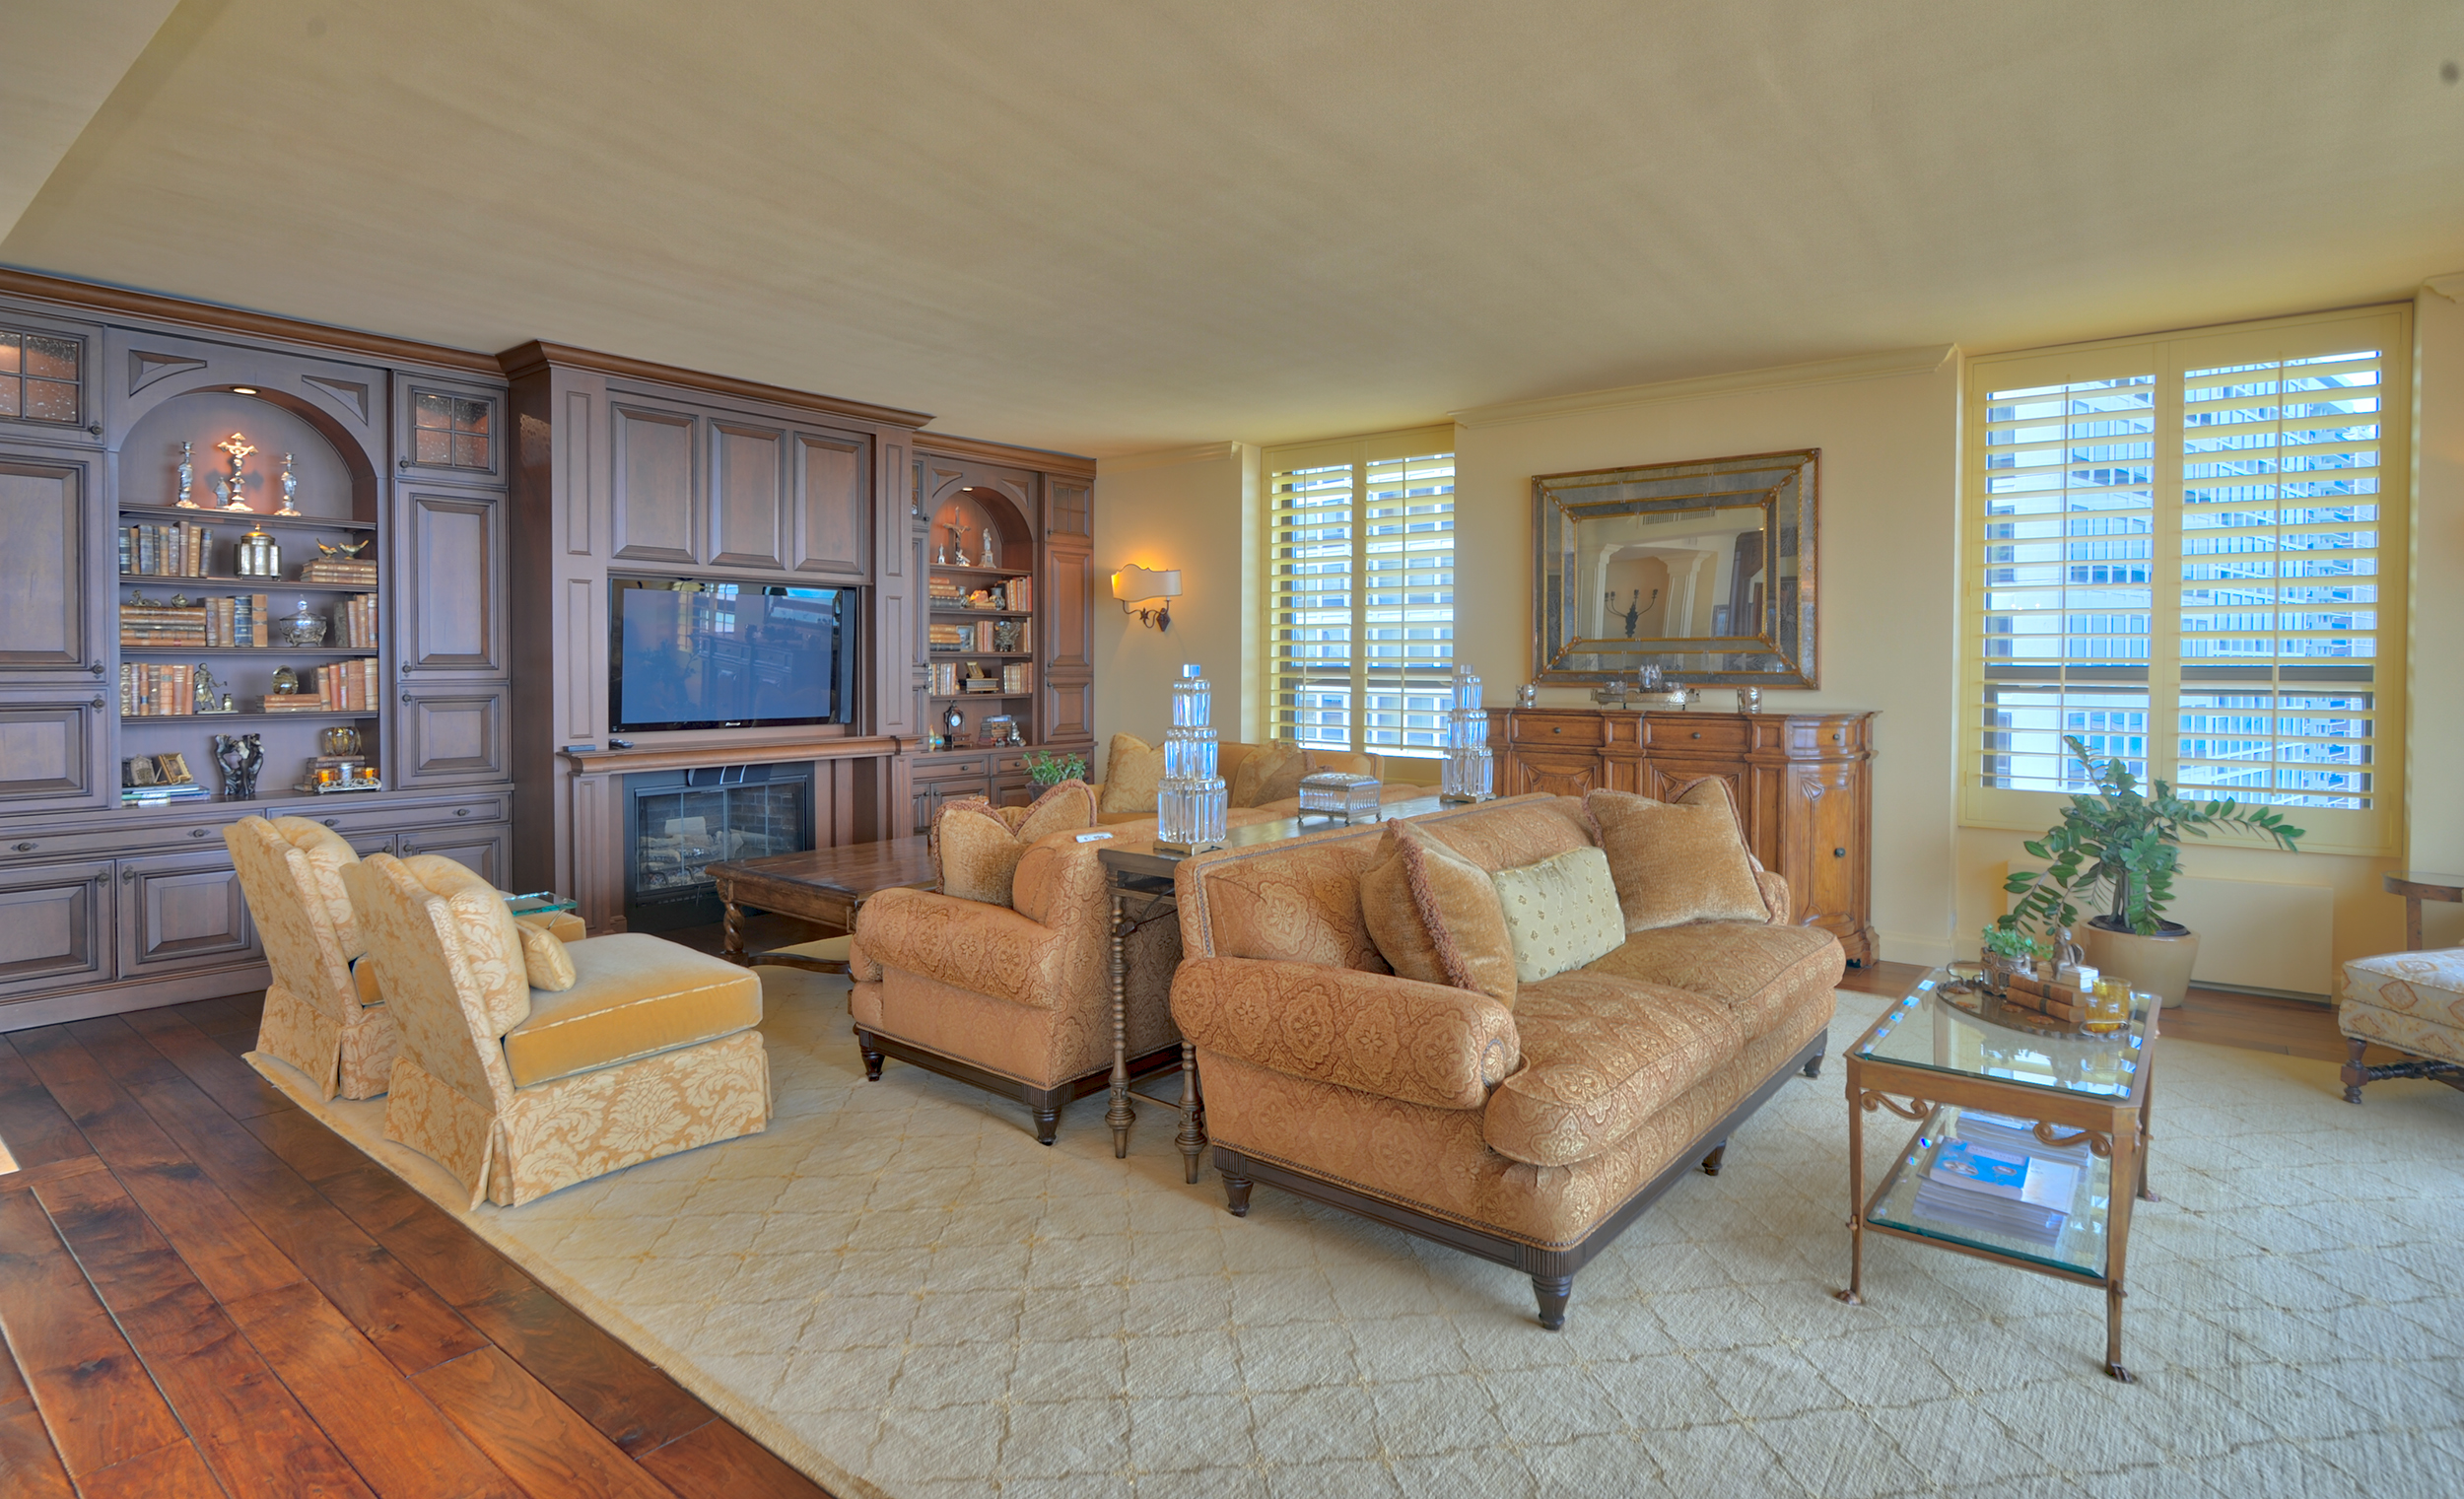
(55, 925)
(1692, 733)
(957, 767)
(1572, 730)
(182, 910)
(1809, 737)
(51, 750)
(481, 849)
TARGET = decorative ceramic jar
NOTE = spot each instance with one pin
(260, 555)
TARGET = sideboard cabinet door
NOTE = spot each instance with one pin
(830, 500)
(49, 629)
(51, 749)
(748, 495)
(182, 910)
(451, 737)
(656, 504)
(454, 575)
(55, 925)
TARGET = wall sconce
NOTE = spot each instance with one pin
(1134, 584)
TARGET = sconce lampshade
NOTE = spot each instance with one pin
(1134, 583)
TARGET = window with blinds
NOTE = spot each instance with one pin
(2188, 551)
(1360, 591)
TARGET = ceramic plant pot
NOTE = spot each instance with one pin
(2158, 965)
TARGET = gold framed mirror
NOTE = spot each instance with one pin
(1705, 569)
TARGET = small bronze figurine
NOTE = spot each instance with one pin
(240, 756)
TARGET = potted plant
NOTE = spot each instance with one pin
(2119, 849)
(2009, 950)
(1046, 768)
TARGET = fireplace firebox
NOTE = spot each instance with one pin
(680, 822)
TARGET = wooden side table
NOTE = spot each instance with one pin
(2417, 886)
(1142, 892)
(825, 886)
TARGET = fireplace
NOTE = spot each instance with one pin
(677, 823)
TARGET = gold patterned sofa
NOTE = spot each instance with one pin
(1524, 1121)
(1002, 978)
(2409, 1001)
(323, 1015)
(1262, 782)
(526, 1063)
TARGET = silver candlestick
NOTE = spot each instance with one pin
(188, 477)
(290, 488)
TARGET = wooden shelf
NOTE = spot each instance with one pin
(245, 584)
(173, 513)
(134, 720)
(188, 650)
(936, 569)
(986, 613)
(979, 655)
(978, 697)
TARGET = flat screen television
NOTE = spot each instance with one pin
(691, 653)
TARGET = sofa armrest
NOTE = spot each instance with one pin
(1397, 1038)
(1774, 890)
(967, 945)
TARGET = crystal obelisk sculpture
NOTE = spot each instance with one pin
(1191, 801)
(1468, 773)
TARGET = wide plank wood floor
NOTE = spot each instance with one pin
(205, 1291)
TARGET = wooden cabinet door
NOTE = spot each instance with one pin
(830, 504)
(1560, 773)
(454, 574)
(1820, 853)
(55, 925)
(748, 495)
(449, 430)
(50, 389)
(182, 909)
(481, 849)
(656, 503)
(453, 736)
(52, 749)
(50, 525)
(1064, 646)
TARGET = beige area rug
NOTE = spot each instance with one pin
(898, 1289)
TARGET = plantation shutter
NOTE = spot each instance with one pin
(1360, 578)
(2185, 552)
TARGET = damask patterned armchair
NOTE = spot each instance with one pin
(642, 1049)
(322, 1015)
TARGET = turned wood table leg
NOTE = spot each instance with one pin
(732, 942)
(1120, 1116)
(1193, 1136)
(1855, 1294)
(2126, 1166)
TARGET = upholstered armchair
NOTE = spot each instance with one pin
(526, 1063)
(323, 1015)
(1007, 984)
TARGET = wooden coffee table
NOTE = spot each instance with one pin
(823, 886)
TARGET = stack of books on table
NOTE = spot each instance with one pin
(339, 570)
(1996, 1175)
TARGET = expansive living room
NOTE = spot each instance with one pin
(1231, 750)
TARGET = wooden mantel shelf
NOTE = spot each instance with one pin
(670, 757)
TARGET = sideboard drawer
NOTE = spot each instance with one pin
(1575, 731)
(1695, 734)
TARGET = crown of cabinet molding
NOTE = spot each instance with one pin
(1041, 460)
(88, 298)
(1168, 457)
(524, 358)
(1921, 359)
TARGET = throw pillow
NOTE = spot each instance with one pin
(1132, 773)
(1562, 913)
(1271, 773)
(544, 958)
(1434, 915)
(979, 844)
(491, 939)
(1683, 860)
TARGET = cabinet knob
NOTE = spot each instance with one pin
(1697, 733)
(96, 668)
(199, 832)
(1839, 854)
(1556, 728)
(406, 697)
(333, 822)
(128, 876)
(406, 668)
(461, 811)
(25, 848)
(97, 703)
(402, 463)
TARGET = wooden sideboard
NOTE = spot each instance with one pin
(1803, 782)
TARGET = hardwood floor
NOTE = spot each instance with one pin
(205, 1291)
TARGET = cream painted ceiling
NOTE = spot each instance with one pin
(1108, 228)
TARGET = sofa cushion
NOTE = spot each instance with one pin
(1269, 772)
(489, 937)
(632, 995)
(1132, 773)
(1560, 912)
(1759, 972)
(544, 959)
(979, 844)
(1435, 916)
(1512, 833)
(1601, 1055)
(1683, 860)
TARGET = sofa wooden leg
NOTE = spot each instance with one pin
(1236, 1193)
(872, 1061)
(1046, 1125)
(1711, 1162)
(1813, 1065)
(2354, 1074)
(1553, 1292)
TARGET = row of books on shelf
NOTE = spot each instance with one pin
(335, 687)
(155, 550)
(239, 620)
(1016, 595)
(950, 679)
(339, 570)
(1997, 1177)
(157, 689)
(355, 623)
(1007, 636)
(169, 688)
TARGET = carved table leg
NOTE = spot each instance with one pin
(2354, 1074)
(732, 942)
(1853, 1295)
(1193, 1136)
(2126, 1162)
(1120, 1116)
(2147, 1136)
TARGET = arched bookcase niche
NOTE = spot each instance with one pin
(337, 480)
(964, 520)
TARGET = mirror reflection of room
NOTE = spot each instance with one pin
(1686, 576)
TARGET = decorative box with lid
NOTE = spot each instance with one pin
(1190, 800)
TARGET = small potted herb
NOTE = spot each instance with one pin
(1046, 768)
(2008, 951)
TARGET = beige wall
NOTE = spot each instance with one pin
(1888, 430)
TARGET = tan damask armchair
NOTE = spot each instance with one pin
(323, 1015)
(641, 1049)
